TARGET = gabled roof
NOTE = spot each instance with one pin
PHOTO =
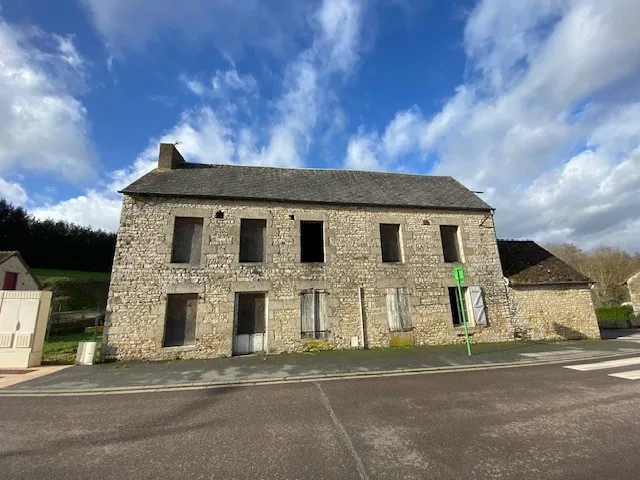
(319, 186)
(6, 255)
(524, 262)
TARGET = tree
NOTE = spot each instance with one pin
(607, 266)
(58, 245)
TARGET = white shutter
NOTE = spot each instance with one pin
(405, 310)
(477, 303)
(307, 311)
(393, 310)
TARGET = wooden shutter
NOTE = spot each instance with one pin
(321, 311)
(477, 302)
(393, 310)
(307, 312)
(404, 309)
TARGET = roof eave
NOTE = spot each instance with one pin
(312, 202)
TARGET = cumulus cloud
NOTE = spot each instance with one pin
(13, 192)
(547, 122)
(43, 126)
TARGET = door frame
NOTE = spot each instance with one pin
(265, 344)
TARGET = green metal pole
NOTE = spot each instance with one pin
(464, 318)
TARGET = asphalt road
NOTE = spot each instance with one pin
(542, 422)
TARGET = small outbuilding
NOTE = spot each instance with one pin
(15, 274)
(633, 284)
(548, 298)
(24, 312)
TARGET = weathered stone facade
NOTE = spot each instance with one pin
(548, 312)
(633, 284)
(142, 275)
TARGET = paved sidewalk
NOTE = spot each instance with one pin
(259, 369)
(14, 376)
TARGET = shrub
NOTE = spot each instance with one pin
(614, 313)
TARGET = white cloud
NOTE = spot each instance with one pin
(13, 192)
(95, 209)
(547, 122)
(43, 127)
(232, 26)
(223, 84)
(363, 152)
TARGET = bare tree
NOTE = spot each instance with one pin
(607, 266)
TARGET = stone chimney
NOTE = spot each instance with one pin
(169, 157)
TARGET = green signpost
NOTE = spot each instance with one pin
(458, 276)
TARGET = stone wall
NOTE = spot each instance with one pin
(142, 275)
(552, 312)
(634, 293)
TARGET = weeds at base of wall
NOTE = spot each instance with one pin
(316, 346)
(400, 341)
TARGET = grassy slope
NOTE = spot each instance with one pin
(62, 350)
(43, 273)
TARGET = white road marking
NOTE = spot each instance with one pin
(630, 375)
(623, 362)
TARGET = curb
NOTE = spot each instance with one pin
(295, 378)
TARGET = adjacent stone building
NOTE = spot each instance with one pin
(215, 260)
(548, 299)
(633, 284)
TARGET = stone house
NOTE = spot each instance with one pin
(219, 260)
(633, 284)
(548, 299)
(15, 274)
(215, 260)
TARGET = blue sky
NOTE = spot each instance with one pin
(535, 103)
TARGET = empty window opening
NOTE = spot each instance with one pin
(10, 281)
(311, 242)
(180, 321)
(250, 309)
(219, 214)
(313, 314)
(450, 246)
(252, 240)
(390, 242)
(458, 305)
(187, 240)
(398, 310)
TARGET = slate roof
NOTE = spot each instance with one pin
(342, 187)
(524, 262)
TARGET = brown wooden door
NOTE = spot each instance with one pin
(10, 281)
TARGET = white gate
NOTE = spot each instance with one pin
(23, 322)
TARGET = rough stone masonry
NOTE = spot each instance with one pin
(357, 287)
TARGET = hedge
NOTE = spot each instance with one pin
(614, 313)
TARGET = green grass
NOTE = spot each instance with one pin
(62, 350)
(43, 273)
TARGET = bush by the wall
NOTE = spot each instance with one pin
(614, 313)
